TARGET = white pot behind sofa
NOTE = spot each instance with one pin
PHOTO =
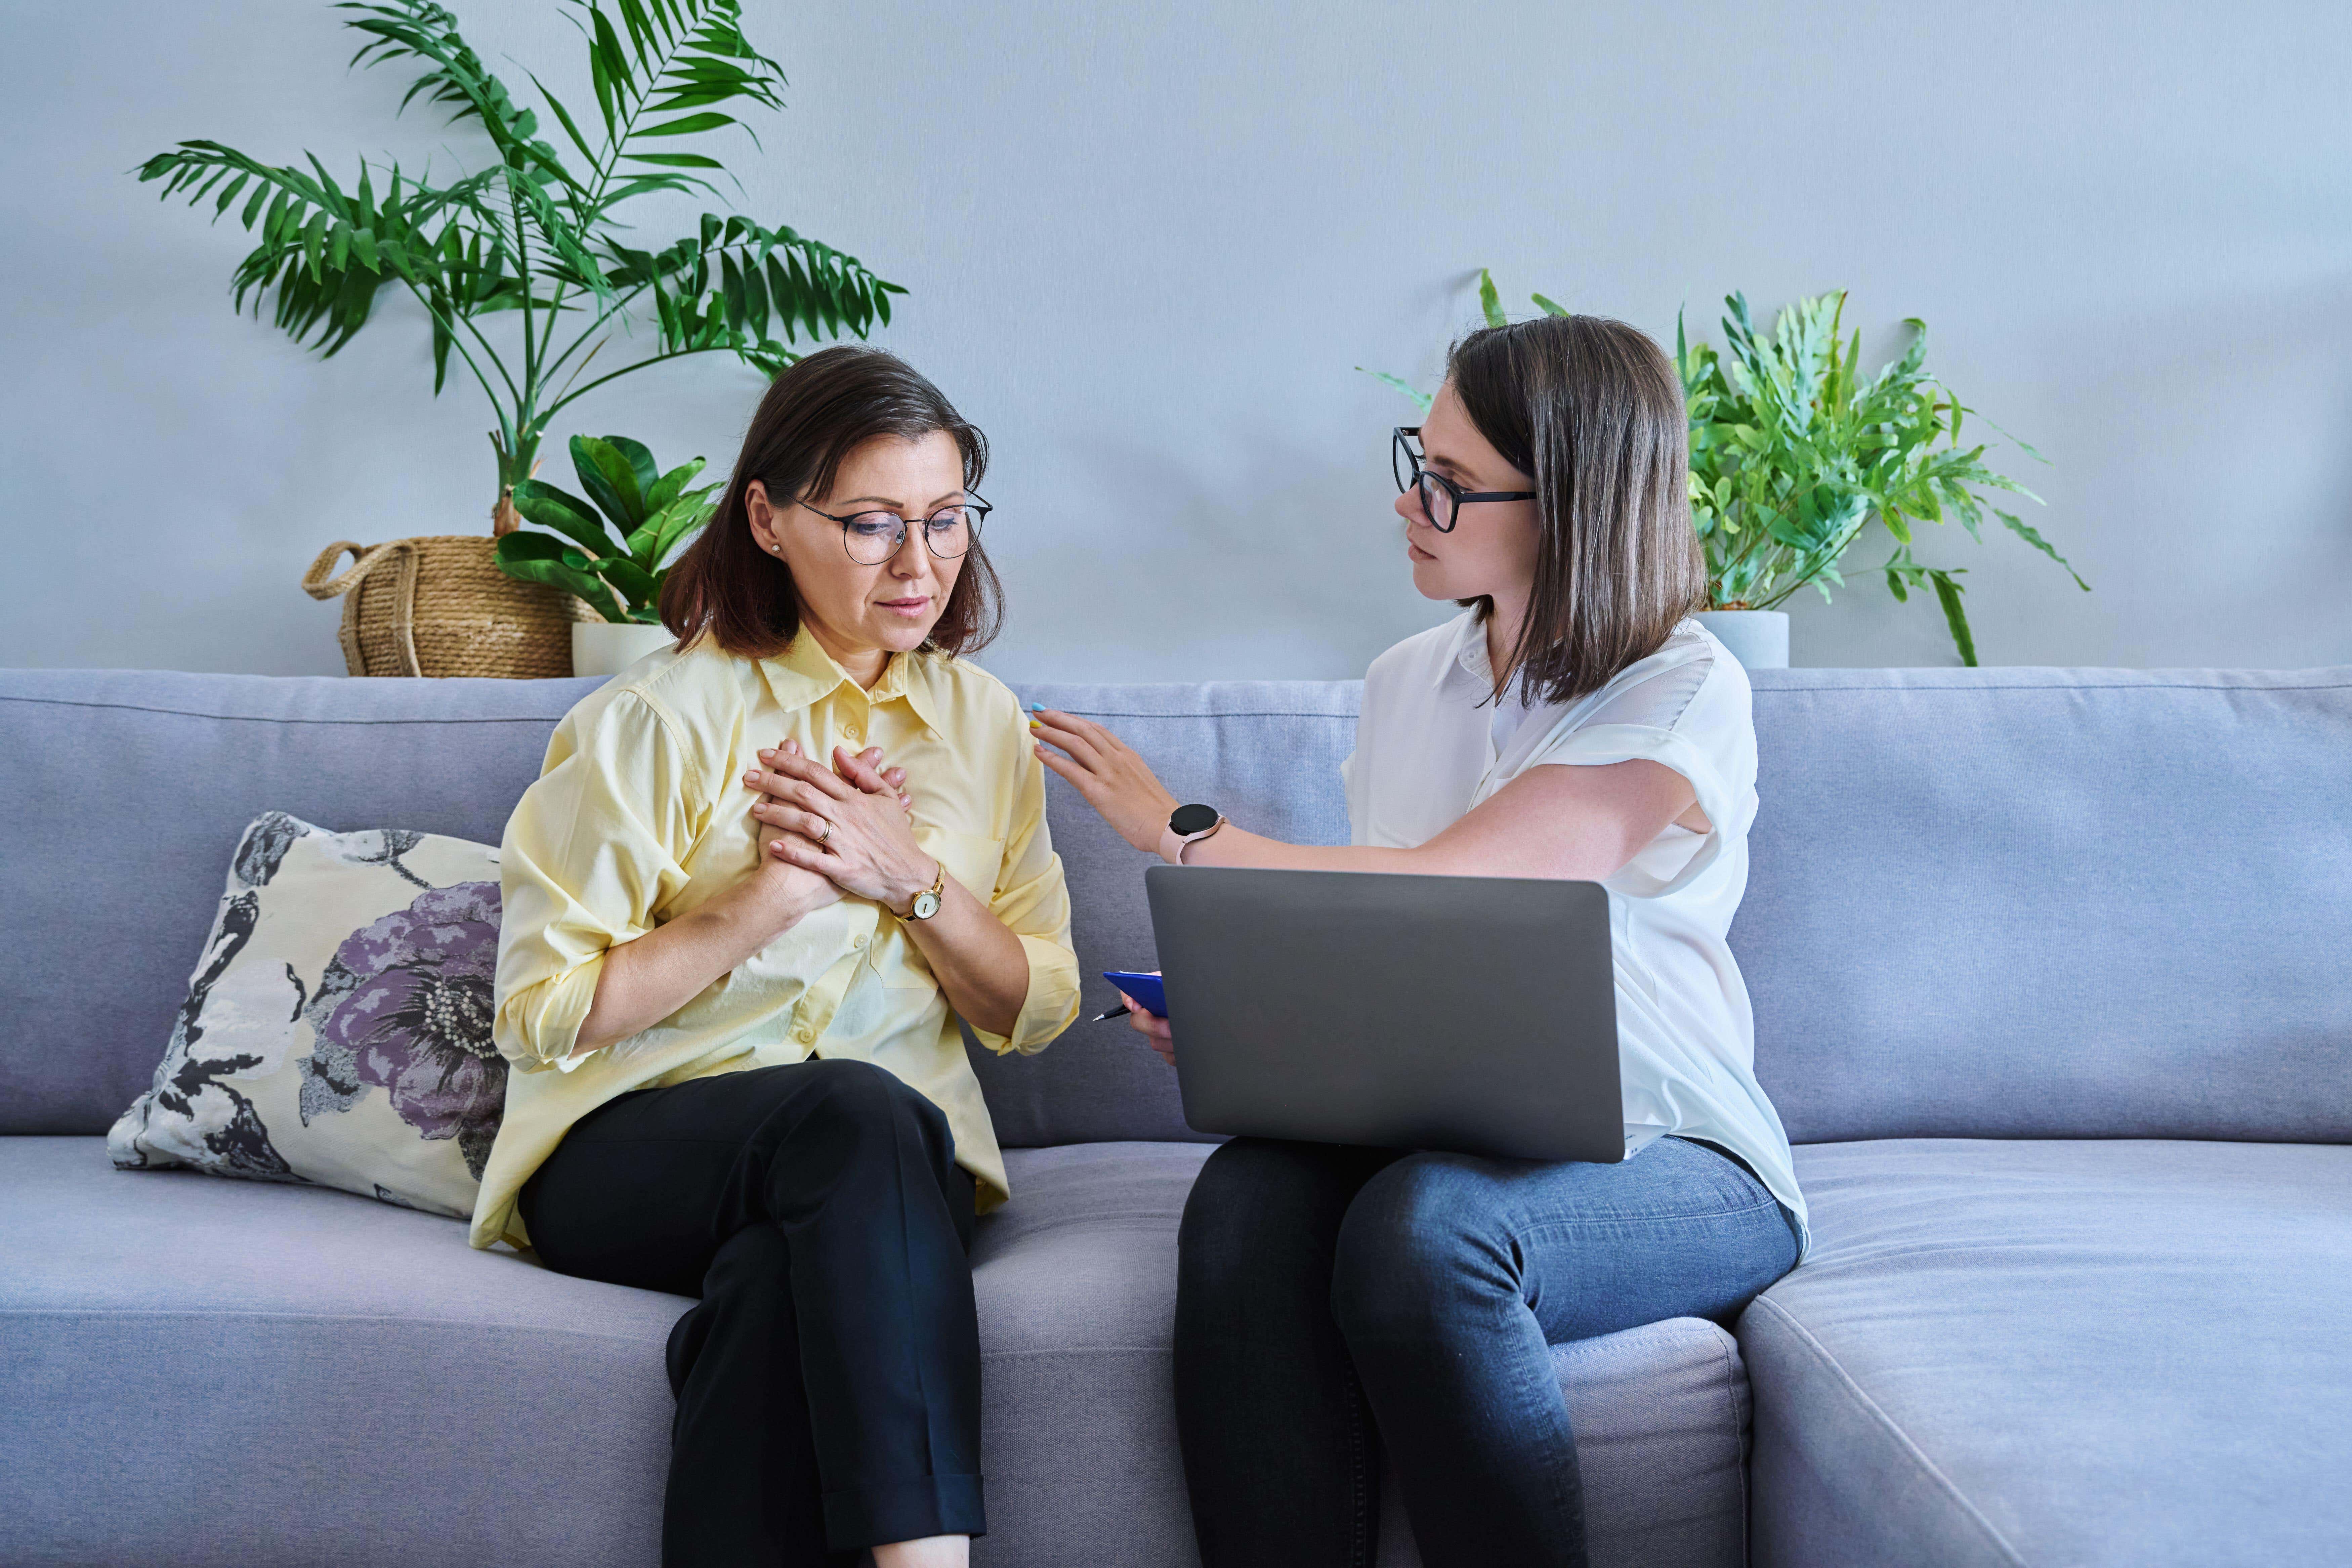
(1759, 639)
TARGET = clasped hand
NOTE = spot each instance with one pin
(850, 824)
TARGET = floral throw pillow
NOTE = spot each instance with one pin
(337, 1030)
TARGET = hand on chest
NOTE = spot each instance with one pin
(954, 808)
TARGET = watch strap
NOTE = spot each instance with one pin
(1171, 843)
(936, 890)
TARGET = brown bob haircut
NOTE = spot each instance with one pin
(1593, 410)
(814, 415)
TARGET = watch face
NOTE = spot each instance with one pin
(927, 904)
(1188, 820)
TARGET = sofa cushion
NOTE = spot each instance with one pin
(2052, 903)
(262, 1375)
(2113, 1352)
(127, 878)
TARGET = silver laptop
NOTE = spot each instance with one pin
(1474, 1014)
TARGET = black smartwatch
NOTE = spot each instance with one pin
(1186, 824)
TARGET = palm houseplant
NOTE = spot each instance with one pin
(1796, 455)
(525, 268)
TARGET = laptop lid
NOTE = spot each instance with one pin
(1476, 1015)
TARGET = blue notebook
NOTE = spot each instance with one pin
(1145, 988)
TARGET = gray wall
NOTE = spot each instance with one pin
(1145, 246)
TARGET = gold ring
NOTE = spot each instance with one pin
(826, 837)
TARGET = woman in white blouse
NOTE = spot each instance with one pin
(1572, 723)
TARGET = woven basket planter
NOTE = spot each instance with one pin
(438, 605)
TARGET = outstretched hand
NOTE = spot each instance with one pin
(1106, 770)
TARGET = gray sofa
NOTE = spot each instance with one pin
(2050, 976)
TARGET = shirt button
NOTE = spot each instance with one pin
(859, 943)
(805, 1034)
(850, 731)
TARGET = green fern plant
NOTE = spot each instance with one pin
(1795, 455)
(531, 233)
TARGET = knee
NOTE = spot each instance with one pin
(1418, 1243)
(1253, 1198)
(861, 1106)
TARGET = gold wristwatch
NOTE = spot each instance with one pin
(926, 902)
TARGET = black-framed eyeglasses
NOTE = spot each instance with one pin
(873, 537)
(1440, 498)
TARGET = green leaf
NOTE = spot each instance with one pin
(674, 160)
(314, 235)
(631, 580)
(608, 44)
(1947, 593)
(755, 299)
(2025, 531)
(537, 557)
(567, 514)
(686, 125)
(610, 482)
(783, 294)
(1420, 400)
(563, 118)
(1551, 309)
(730, 289)
(664, 491)
(690, 512)
(641, 464)
(1489, 301)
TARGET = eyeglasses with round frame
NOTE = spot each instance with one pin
(1440, 498)
(873, 537)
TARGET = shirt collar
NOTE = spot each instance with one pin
(805, 673)
(1469, 655)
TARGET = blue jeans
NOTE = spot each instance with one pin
(1334, 1300)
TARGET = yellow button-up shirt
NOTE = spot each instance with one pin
(640, 814)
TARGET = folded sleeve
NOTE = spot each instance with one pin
(1606, 743)
(595, 849)
(1033, 901)
(1693, 718)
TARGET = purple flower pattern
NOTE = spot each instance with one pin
(405, 1006)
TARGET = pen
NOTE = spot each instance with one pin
(1120, 1012)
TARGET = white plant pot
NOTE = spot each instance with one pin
(600, 648)
(1759, 639)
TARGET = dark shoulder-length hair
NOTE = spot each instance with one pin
(815, 414)
(1593, 410)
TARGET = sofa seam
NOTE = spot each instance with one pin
(1221, 713)
(535, 719)
(430, 1322)
(1080, 1350)
(444, 1323)
(1877, 1412)
(2064, 686)
(1728, 1349)
(273, 719)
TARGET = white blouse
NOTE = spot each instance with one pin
(1430, 746)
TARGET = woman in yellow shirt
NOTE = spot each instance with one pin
(731, 963)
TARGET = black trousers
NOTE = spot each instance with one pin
(828, 1381)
